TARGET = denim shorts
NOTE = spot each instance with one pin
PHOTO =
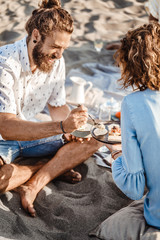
(10, 150)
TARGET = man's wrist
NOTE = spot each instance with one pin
(62, 128)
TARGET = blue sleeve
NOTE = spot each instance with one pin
(127, 170)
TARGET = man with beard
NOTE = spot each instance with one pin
(32, 74)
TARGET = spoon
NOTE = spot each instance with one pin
(94, 121)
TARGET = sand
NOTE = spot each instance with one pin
(98, 19)
(65, 211)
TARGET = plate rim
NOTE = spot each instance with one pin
(105, 141)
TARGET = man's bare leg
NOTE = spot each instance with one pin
(13, 175)
(69, 156)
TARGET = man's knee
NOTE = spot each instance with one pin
(5, 174)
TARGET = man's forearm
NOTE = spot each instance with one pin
(12, 128)
(20, 130)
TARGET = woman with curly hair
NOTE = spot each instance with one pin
(137, 164)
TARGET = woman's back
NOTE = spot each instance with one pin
(140, 161)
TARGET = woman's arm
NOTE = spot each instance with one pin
(127, 169)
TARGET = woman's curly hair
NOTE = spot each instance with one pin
(139, 58)
(48, 18)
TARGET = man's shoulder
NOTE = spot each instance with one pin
(11, 55)
(8, 51)
(11, 49)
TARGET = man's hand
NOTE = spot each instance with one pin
(77, 118)
(70, 138)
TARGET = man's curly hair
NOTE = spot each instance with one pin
(49, 17)
(139, 58)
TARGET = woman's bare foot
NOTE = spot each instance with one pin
(71, 176)
(27, 195)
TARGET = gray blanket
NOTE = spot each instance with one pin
(64, 211)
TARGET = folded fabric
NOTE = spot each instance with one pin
(127, 224)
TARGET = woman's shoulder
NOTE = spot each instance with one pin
(136, 98)
(133, 95)
(139, 94)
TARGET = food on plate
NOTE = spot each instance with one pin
(114, 132)
(114, 138)
(99, 132)
(100, 126)
(100, 129)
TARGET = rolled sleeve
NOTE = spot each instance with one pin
(128, 170)
(7, 98)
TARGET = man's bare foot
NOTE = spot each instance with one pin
(27, 196)
(1, 162)
(71, 177)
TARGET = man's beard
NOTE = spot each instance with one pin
(41, 60)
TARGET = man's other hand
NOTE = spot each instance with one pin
(70, 138)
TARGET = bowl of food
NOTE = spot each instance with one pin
(84, 131)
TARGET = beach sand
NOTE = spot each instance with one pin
(107, 20)
(65, 211)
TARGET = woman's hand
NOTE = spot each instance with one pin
(113, 147)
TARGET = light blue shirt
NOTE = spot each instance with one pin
(140, 162)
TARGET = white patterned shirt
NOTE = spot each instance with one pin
(153, 8)
(25, 93)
